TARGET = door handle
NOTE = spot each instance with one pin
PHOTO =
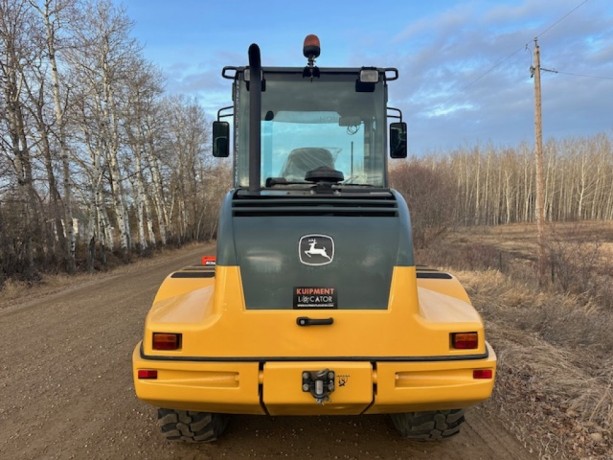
(306, 321)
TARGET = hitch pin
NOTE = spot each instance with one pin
(319, 387)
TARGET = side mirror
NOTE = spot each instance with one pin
(398, 140)
(221, 139)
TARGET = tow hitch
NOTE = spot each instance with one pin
(319, 383)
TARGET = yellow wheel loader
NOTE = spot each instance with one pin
(314, 305)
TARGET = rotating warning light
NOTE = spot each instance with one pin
(311, 47)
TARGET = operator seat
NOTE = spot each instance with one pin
(305, 159)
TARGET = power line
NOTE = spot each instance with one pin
(562, 18)
(491, 69)
(583, 76)
(523, 47)
(526, 45)
(555, 24)
(551, 27)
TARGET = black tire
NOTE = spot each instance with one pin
(429, 426)
(181, 425)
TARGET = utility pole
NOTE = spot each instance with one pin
(538, 153)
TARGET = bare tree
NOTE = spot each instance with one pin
(54, 13)
(431, 197)
(144, 89)
(17, 55)
(87, 141)
(187, 141)
(101, 61)
(152, 129)
(497, 185)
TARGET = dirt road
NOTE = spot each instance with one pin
(66, 388)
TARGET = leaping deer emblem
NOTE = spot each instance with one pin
(313, 251)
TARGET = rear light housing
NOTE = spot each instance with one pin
(147, 374)
(369, 75)
(166, 341)
(483, 374)
(464, 340)
(208, 260)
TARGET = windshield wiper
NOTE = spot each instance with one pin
(272, 181)
(351, 184)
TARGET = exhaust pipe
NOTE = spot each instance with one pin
(255, 111)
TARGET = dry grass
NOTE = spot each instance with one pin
(550, 403)
(555, 386)
(555, 371)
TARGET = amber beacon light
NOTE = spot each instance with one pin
(311, 48)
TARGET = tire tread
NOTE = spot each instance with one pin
(430, 425)
(191, 426)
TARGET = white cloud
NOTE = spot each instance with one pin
(464, 68)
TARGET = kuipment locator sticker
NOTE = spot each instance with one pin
(315, 297)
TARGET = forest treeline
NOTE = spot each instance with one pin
(493, 185)
(95, 159)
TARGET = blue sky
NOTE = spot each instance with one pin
(464, 66)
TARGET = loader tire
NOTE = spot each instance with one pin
(428, 426)
(181, 425)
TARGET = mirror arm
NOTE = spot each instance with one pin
(221, 115)
(397, 113)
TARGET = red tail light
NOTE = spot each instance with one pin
(208, 260)
(166, 341)
(147, 374)
(464, 340)
(483, 374)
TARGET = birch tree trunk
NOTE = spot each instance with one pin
(158, 194)
(112, 152)
(51, 18)
(36, 108)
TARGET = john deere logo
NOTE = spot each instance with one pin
(316, 250)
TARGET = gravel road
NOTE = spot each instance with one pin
(66, 388)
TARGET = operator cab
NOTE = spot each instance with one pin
(317, 126)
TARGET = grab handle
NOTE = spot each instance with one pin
(306, 321)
